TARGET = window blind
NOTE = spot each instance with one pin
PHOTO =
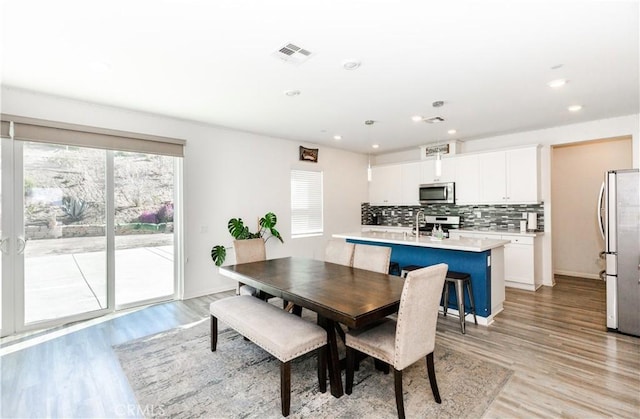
(306, 203)
(37, 130)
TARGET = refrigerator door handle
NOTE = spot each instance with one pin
(600, 208)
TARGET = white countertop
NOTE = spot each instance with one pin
(465, 244)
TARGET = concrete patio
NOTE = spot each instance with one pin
(67, 276)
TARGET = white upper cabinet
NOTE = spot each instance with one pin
(385, 186)
(509, 176)
(493, 177)
(428, 170)
(395, 184)
(410, 183)
(467, 179)
(523, 175)
(496, 177)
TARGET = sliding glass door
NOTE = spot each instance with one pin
(84, 231)
(64, 225)
(144, 234)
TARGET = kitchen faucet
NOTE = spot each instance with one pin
(420, 212)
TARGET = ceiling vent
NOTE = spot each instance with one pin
(293, 54)
(434, 120)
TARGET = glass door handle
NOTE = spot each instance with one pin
(4, 245)
(22, 243)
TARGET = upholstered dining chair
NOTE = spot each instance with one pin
(403, 342)
(339, 251)
(250, 250)
(372, 258)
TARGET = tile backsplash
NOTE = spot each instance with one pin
(498, 217)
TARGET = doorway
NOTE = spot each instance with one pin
(85, 231)
(577, 173)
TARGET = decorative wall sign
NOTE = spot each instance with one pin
(433, 150)
(309, 154)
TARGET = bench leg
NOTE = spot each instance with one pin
(214, 333)
(322, 368)
(285, 387)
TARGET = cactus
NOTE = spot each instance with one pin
(74, 208)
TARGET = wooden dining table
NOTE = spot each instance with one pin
(338, 294)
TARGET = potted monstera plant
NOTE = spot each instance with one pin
(239, 231)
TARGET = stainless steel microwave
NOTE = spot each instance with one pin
(438, 193)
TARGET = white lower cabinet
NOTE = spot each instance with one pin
(521, 258)
(519, 268)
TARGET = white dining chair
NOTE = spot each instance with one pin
(372, 258)
(250, 250)
(402, 342)
(339, 251)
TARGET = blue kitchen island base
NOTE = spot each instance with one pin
(486, 267)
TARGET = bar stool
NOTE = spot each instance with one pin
(461, 280)
(394, 268)
(406, 269)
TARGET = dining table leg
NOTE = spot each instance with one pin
(333, 361)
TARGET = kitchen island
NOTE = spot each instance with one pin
(483, 259)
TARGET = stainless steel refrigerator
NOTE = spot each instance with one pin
(620, 226)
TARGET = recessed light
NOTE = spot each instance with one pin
(416, 118)
(452, 131)
(292, 93)
(557, 83)
(574, 108)
(337, 137)
(375, 145)
(350, 64)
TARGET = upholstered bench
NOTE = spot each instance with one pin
(282, 334)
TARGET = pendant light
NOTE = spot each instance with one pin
(438, 163)
(369, 122)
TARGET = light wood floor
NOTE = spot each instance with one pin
(565, 363)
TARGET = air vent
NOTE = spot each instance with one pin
(293, 54)
(433, 120)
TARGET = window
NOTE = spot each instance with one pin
(306, 203)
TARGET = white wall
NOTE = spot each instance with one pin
(227, 174)
(578, 171)
(592, 130)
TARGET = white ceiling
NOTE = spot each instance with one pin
(213, 62)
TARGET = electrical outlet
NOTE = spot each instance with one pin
(478, 214)
(524, 215)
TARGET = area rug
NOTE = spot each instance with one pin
(175, 374)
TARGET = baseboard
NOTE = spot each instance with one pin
(577, 274)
